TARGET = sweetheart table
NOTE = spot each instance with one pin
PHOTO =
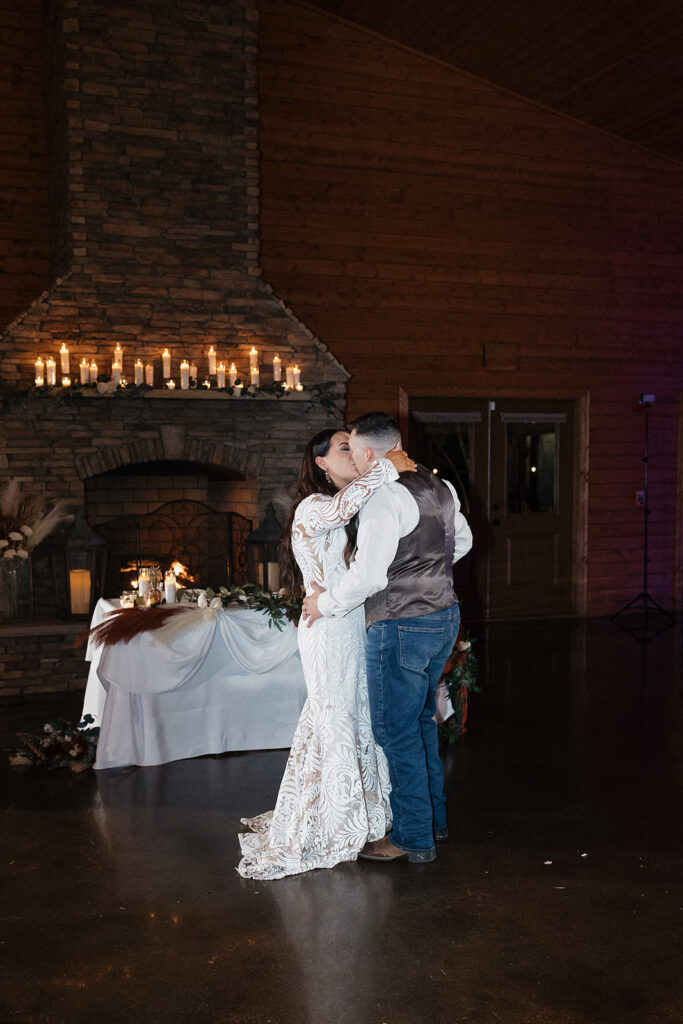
(209, 681)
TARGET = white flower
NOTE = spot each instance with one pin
(4, 544)
(22, 553)
(27, 531)
(202, 601)
(9, 553)
(216, 602)
(464, 645)
(243, 598)
(15, 536)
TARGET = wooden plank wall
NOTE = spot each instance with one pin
(25, 252)
(444, 237)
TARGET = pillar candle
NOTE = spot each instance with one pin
(232, 374)
(184, 375)
(40, 372)
(51, 372)
(139, 371)
(273, 575)
(166, 363)
(277, 368)
(85, 371)
(64, 357)
(254, 372)
(79, 591)
(118, 355)
(170, 588)
(220, 375)
(289, 375)
(194, 372)
(116, 373)
(149, 374)
(212, 362)
(296, 377)
(93, 372)
(253, 358)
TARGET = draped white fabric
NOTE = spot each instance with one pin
(208, 681)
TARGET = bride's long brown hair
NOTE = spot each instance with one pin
(312, 480)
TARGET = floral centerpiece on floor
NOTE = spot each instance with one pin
(460, 678)
(59, 745)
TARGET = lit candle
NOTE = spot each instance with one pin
(254, 375)
(66, 382)
(206, 383)
(118, 355)
(149, 374)
(212, 362)
(232, 374)
(51, 370)
(194, 372)
(289, 375)
(170, 587)
(79, 591)
(85, 371)
(139, 371)
(116, 373)
(296, 377)
(277, 368)
(170, 385)
(253, 358)
(93, 372)
(184, 375)
(40, 372)
(166, 363)
(220, 375)
(64, 358)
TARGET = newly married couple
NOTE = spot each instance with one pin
(374, 538)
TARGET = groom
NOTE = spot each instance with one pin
(410, 532)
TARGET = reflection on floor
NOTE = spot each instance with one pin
(557, 900)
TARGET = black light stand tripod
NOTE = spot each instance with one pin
(644, 603)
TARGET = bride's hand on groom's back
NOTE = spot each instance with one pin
(401, 461)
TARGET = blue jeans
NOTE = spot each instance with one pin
(405, 660)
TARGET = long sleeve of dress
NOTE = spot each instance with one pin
(320, 513)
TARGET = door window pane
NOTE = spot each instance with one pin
(447, 448)
(531, 467)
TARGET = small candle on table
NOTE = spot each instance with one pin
(139, 371)
(116, 373)
(277, 368)
(232, 374)
(93, 372)
(40, 372)
(212, 362)
(85, 371)
(64, 358)
(51, 371)
(170, 385)
(220, 375)
(184, 375)
(166, 363)
(149, 375)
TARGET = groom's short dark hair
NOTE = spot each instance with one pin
(378, 428)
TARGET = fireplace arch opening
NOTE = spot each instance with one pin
(167, 511)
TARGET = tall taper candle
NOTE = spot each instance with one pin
(212, 362)
(184, 375)
(139, 371)
(220, 375)
(277, 368)
(253, 358)
(85, 371)
(166, 363)
(64, 358)
(51, 372)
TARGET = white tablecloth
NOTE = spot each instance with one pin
(207, 682)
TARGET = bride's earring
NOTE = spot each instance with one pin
(328, 477)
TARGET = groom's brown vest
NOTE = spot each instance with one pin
(420, 578)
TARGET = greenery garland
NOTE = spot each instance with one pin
(274, 603)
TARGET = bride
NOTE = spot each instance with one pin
(334, 796)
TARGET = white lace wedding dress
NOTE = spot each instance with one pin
(334, 795)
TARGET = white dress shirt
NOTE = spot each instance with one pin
(389, 514)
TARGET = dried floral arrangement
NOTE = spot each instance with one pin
(59, 745)
(25, 520)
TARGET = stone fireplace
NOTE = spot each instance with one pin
(154, 178)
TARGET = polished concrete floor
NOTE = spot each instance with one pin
(558, 898)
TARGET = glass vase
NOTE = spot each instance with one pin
(16, 588)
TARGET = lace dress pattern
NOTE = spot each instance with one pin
(334, 794)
